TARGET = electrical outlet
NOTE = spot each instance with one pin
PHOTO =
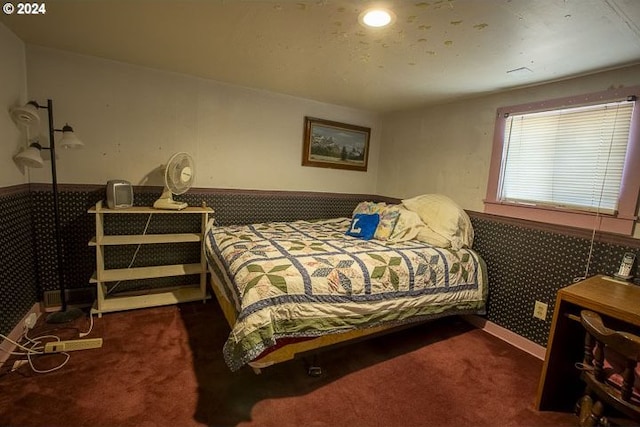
(540, 310)
(30, 321)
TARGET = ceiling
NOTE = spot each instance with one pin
(437, 50)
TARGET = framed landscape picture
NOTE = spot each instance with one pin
(329, 144)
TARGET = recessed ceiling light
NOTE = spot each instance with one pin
(377, 18)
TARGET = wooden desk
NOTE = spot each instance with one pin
(560, 385)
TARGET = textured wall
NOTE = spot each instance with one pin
(447, 148)
(529, 262)
(13, 93)
(18, 292)
(132, 119)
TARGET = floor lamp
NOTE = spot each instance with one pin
(31, 157)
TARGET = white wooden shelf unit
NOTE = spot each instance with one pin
(155, 297)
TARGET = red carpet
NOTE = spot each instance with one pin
(164, 367)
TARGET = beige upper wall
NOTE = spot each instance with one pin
(13, 92)
(447, 148)
(132, 119)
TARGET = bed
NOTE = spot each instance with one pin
(291, 287)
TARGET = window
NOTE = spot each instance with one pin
(572, 161)
(571, 157)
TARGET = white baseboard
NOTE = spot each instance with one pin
(5, 346)
(508, 336)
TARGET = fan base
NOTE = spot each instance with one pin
(169, 204)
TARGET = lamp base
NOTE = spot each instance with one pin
(65, 316)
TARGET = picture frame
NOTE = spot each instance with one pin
(329, 144)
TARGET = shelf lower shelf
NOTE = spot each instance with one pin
(118, 274)
(186, 293)
(148, 239)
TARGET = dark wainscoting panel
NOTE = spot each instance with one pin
(231, 207)
(526, 261)
(245, 207)
(29, 263)
(77, 227)
(17, 269)
(531, 261)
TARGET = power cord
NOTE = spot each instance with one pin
(35, 347)
(598, 219)
(135, 254)
(36, 343)
(84, 334)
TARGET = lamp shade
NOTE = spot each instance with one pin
(30, 157)
(26, 115)
(69, 139)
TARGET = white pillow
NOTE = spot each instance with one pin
(410, 226)
(427, 235)
(444, 217)
(407, 227)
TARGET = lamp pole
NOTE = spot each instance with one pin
(56, 206)
(27, 115)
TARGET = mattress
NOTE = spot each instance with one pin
(307, 279)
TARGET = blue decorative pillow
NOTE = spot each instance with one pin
(363, 226)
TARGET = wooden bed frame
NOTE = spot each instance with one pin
(289, 351)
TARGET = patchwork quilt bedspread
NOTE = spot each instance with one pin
(306, 279)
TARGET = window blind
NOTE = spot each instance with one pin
(572, 158)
